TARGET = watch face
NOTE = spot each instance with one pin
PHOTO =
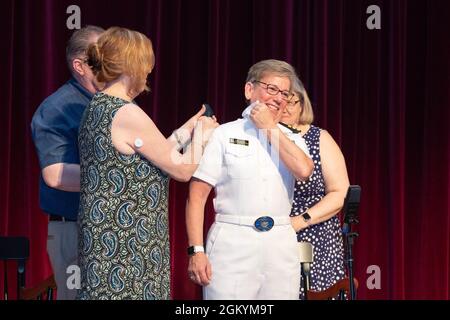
(306, 216)
(194, 249)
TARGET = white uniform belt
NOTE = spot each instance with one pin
(250, 220)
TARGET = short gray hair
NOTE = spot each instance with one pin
(79, 42)
(272, 66)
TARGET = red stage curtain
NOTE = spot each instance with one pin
(383, 94)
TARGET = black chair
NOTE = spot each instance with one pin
(16, 249)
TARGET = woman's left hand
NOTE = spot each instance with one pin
(296, 223)
(190, 124)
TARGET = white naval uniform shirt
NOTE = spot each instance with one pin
(248, 176)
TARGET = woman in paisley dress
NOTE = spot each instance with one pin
(125, 167)
(321, 196)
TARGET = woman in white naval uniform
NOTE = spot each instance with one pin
(251, 250)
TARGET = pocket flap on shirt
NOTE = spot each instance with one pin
(238, 150)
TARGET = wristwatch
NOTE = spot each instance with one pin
(306, 217)
(194, 249)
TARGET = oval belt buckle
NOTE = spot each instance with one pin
(264, 223)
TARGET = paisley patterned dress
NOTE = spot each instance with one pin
(123, 215)
(326, 237)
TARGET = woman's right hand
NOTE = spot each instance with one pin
(199, 269)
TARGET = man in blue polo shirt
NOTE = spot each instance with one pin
(55, 134)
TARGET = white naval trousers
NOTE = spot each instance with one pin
(248, 264)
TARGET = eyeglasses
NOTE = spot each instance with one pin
(291, 104)
(273, 90)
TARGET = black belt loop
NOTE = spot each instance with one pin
(54, 217)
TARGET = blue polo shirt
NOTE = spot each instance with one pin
(55, 134)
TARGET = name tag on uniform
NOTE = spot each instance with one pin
(239, 141)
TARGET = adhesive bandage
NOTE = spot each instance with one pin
(138, 143)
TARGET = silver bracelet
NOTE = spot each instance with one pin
(177, 137)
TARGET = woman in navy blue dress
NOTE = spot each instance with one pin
(318, 200)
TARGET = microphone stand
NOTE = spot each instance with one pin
(306, 256)
(350, 209)
(306, 268)
(349, 241)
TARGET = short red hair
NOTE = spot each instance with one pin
(122, 51)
